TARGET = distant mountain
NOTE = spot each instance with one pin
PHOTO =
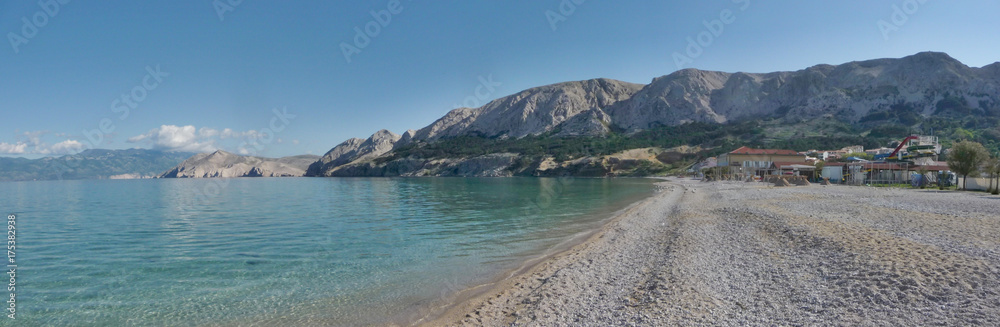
(859, 101)
(225, 164)
(91, 164)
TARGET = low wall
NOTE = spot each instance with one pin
(976, 183)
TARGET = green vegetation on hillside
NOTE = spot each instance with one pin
(719, 137)
(953, 120)
(820, 134)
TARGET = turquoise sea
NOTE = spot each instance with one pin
(283, 251)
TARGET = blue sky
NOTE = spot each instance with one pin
(211, 74)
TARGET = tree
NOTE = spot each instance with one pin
(996, 190)
(994, 169)
(965, 159)
(989, 168)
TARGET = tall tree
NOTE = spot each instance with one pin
(994, 167)
(988, 167)
(966, 158)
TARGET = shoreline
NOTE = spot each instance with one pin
(476, 296)
(732, 253)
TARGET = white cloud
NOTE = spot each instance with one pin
(208, 132)
(139, 138)
(34, 138)
(166, 137)
(17, 148)
(191, 139)
(32, 143)
(67, 147)
(178, 138)
(231, 134)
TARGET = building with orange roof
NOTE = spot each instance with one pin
(759, 158)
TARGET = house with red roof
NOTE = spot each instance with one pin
(760, 159)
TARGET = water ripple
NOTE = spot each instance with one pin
(350, 251)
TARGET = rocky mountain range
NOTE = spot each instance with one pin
(576, 106)
(926, 84)
(850, 91)
(356, 149)
(903, 92)
(225, 164)
(91, 164)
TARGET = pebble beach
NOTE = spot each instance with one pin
(732, 253)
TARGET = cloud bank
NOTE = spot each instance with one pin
(165, 138)
(31, 143)
(189, 138)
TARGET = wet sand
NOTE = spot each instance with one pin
(730, 253)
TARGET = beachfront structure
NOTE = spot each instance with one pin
(833, 172)
(759, 159)
(793, 168)
(871, 173)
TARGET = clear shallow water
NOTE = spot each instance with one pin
(282, 251)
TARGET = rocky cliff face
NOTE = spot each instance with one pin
(225, 164)
(534, 111)
(849, 91)
(355, 150)
(926, 84)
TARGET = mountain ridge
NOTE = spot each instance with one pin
(858, 93)
(91, 164)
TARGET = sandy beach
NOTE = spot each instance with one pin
(729, 253)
